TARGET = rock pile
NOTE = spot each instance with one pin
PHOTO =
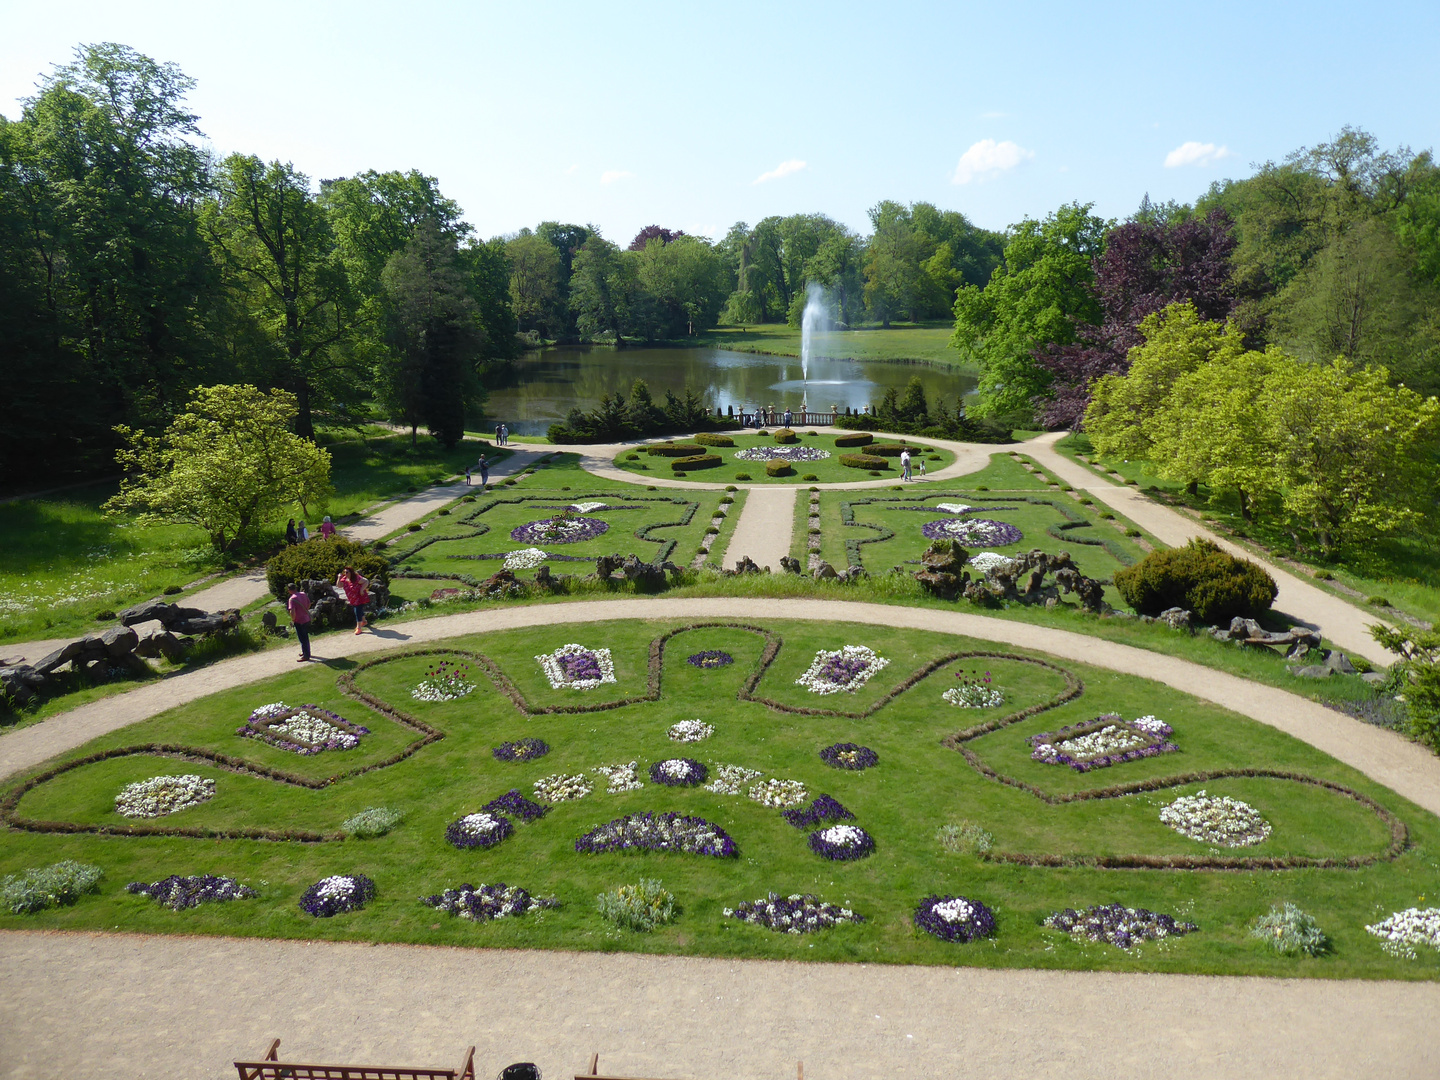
(649, 577)
(1023, 580)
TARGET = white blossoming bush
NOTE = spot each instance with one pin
(620, 778)
(372, 821)
(524, 559)
(161, 795)
(1402, 931)
(687, 731)
(954, 508)
(558, 787)
(1218, 820)
(1151, 725)
(39, 888)
(985, 561)
(731, 779)
(973, 696)
(779, 794)
(1288, 930)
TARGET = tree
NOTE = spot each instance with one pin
(653, 232)
(535, 284)
(601, 289)
(685, 279)
(228, 464)
(892, 265)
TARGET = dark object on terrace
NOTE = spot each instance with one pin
(270, 1067)
(1022, 580)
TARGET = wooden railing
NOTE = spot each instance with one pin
(270, 1068)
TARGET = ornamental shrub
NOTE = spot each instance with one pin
(696, 461)
(1288, 930)
(859, 438)
(810, 476)
(710, 438)
(36, 889)
(785, 435)
(864, 461)
(641, 907)
(372, 821)
(1212, 584)
(322, 560)
(889, 449)
(778, 467)
(675, 449)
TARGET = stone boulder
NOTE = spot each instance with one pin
(790, 565)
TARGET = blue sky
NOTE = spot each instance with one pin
(695, 116)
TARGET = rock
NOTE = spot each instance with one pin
(544, 578)
(1298, 651)
(1175, 618)
(1375, 678)
(648, 577)
(149, 611)
(746, 565)
(825, 572)
(789, 565)
(60, 656)
(119, 641)
(1311, 671)
(939, 583)
(945, 557)
(169, 646)
(853, 573)
(1338, 661)
(204, 623)
(269, 621)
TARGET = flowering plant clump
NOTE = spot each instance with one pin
(1107, 740)
(973, 531)
(524, 559)
(372, 821)
(843, 843)
(847, 668)
(558, 787)
(974, 691)
(57, 885)
(985, 561)
(161, 795)
(799, 913)
(658, 832)
(849, 755)
(955, 918)
(564, 529)
(179, 893)
(691, 731)
(778, 794)
(964, 836)
(446, 681)
(679, 772)
(482, 902)
(642, 906)
(731, 779)
(1117, 924)
(1218, 820)
(521, 750)
(574, 667)
(479, 830)
(340, 892)
(516, 805)
(620, 778)
(954, 508)
(1402, 931)
(710, 658)
(587, 507)
(1288, 930)
(301, 729)
(823, 809)
(782, 453)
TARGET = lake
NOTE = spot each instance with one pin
(547, 384)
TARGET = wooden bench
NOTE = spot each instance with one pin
(271, 1068)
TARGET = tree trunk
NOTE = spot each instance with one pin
(304, 423)
(1192, 488)
(1244, 505)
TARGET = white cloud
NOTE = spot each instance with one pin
(1194, 153)
(785, 168)
(615, 174)
(987, 159)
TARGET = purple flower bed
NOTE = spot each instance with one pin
(821, 810)
(580, 666)
(797, 914)
(979, 531)
(516, 805)
(955, 918)
(482, 830)
(1117, 924)
(678, 772)
(841, 669)
(341, 892)
(710, 658)
(326, 730)
(1133, 740)
(849, 755)
(564, 529)
(482, 902)
(658, 832)
(179, 893)
(843, 843)
(521, 750)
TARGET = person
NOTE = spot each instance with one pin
(787, 417)
(905, 464)
(292, 535)
(327, 528)
(504, 435)
(304, 533)
(484, 471)
(467, 475)
(499, 438)
(922, 466)
(298, 605)
(357, 594)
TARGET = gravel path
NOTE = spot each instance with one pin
(763, 532)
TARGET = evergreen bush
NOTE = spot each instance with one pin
(860, 438)
(864, 461)
(696, 461)
(322, 560)
(1211, 584)
(785, 435)
(778, 467)
(675, 449)
(708, 438)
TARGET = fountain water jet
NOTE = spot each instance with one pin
(813, 319)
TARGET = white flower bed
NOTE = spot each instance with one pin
(1402, 931)
(587, 507)
(620, 778)
(846, 669)
(958, 910)
(524, 559)
(731, 779)
(953, 508)
(574, 667)
(264, 712)
(558, 787)
(691, 731)
(161, 795)
(435, 691)
(1111, 739)
(1218, 820)
(985, 561)
(779, 794)
(312, 729)
(1151, 726)
(480, 825)
(974, 697)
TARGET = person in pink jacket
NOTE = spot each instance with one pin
(357, 594)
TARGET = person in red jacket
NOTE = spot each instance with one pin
(298, 604)
(357, 594)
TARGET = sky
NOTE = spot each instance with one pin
(695, 116)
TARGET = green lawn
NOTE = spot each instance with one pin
(919, 786)
(928, 342)
(385, 466)
(827, 470)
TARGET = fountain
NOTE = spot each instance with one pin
(810, 321)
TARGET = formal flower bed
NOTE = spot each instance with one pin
(558, 787)
(516, 805)
(1107, 740)
(687, 731)
(846, 669)
(574, 667)
(448, 680)
(1218, 820)
(1402, 931)
(849, 755)
(479, 830)
(565, 529)
(710, 658)
(587, 507)
(658, 832)
(843, 843)
(679, 772)
(985, 561)
(341, 892)
(179, 893)
(974, 692)
(799, 913)
(524, 559)
(1117, 924)
(731, 779)
(521, 750)
(973, 531)
(482, 902)
(953, 508)
(955, 918)
(301, 729)
(778, 794)
(782, 453)
(161, 795)
(821, 810)
(620, 778)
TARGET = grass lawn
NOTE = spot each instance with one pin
(827, 470)
(384, 466)
(928, 342)
(918, 787)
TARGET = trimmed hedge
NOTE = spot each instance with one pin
(1212, 584)
(698, 461)
(709, 438)
(860, 438)
(323, 560)
(891, 449)
(675, 450)
(778, 467)
(864, 461)
(785, 435)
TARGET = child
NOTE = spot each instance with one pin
(922, 466)
(298, 605)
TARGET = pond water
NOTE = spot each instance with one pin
(547, 384)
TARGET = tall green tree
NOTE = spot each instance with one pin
(535, 278)
(602, 285)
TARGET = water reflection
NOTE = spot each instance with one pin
(549, 383)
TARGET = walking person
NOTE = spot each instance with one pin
(905, 464)
(292, 534)
(922, 466)
(499, 441)
(467, 475)
(484, 471)
(357, 594)
(298, 605)
(327, 528)
(504, 435)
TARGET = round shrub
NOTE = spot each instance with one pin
(696, 461)
(1320, 575)
(632, 457)
(1212, 584)
(1132, 532)
(857, 438)
(731, 487)
(809, 476)
(710, 438)
(173, 590)
(778, 467)
(675, 450)
(785, 435)
(322, 560)
(741, 476)
(762, 432)
(864, 461)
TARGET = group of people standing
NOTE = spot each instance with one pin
(483, 468)
(352, 583)
(502, 435)
(298, 534)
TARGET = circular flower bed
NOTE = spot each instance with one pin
(524, 559)
(849, 755)
(731, 779)
(1107, 740)
(955, 918)
(1218, 820)
(574, 667)
(565, 529)
(620, 778)
(301, 729)
(800, 913)
(479, 830)
(1117, 924)
(690, 731)
(179, 893)
(482, 902)
(658, 832)
(561, 788)
(1402, 931)
(973, 531)
(778, 794)
(843, 843)
(823, 809)
(846, 669)
(521, 750)
(446, 681)
(710, 658)
(161, 795)
(782, 453)
(679, 772)
(516, 805)
(341, 892)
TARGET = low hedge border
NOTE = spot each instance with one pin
(710, 438)
(701, 460)
(864, 461)
(675, 449)
(860, 438)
